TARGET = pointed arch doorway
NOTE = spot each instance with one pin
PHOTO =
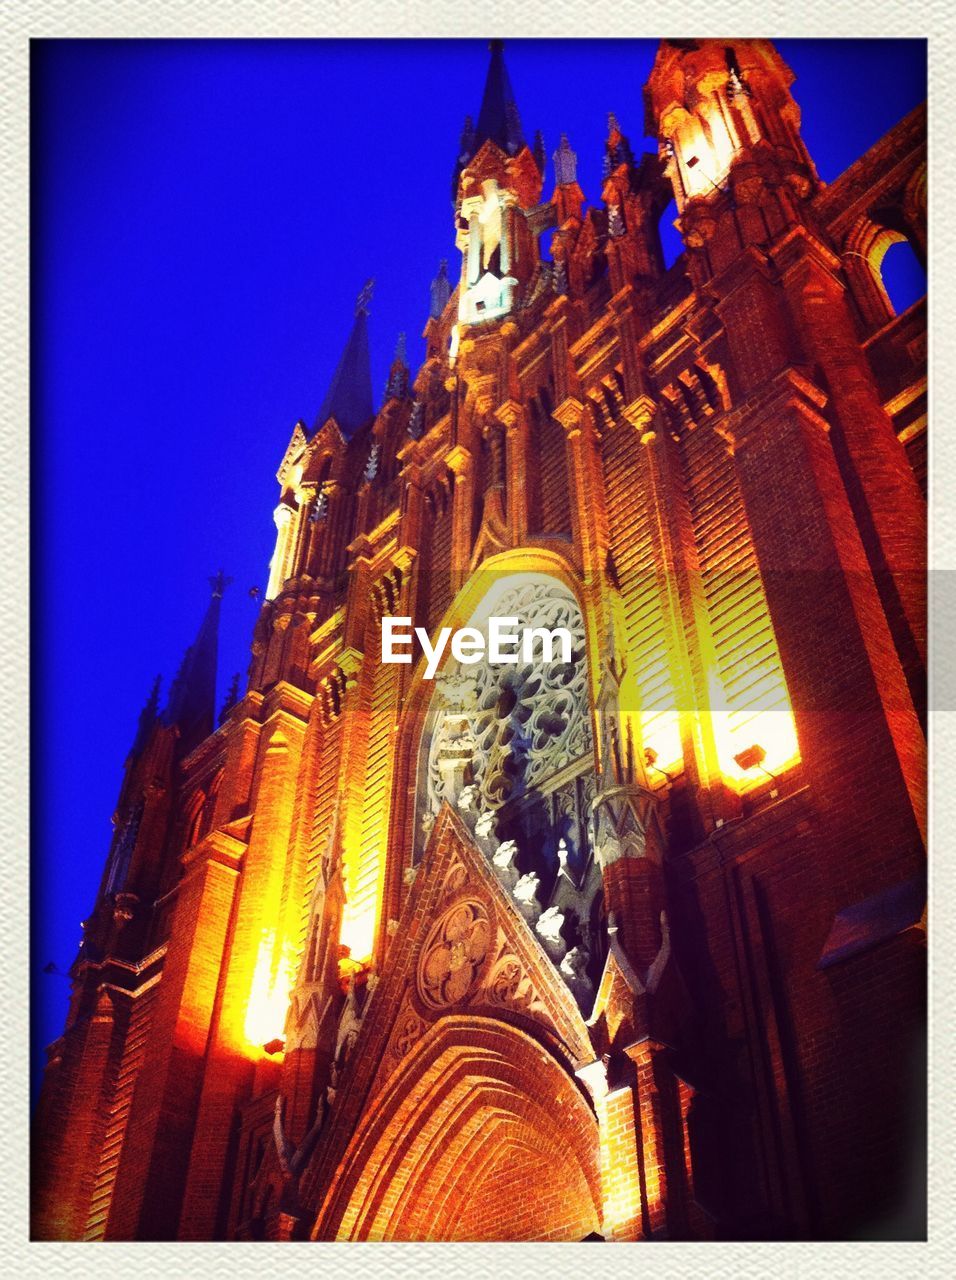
(482, 1134)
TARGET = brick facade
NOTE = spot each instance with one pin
(335, 984)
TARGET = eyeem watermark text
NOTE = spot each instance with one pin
(506, 642)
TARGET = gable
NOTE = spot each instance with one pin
(461, 950)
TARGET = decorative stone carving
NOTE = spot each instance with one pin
(453, 954)
(510, 747)
(514, 724)
(549, 926)
(408, 1032)
(416, 420)
(371, 466)
(574, 971)
(455, 878)
(485, 824)
(505, 854)
(350, 1023)
(508, 984)
(467, 798)
(526, 894)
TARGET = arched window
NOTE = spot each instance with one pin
(903, 276)
(884, 267)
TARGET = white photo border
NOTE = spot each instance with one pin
(22, 21)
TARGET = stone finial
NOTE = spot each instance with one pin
(363, 301)
(231, 698)
(467, 142)
(218, 583)
(565, 163)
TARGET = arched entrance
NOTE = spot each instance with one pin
(481, 1135)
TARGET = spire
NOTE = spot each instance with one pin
(617, 149)
(539, 152)
(440, 291)
(498, 119)
(349, 399)
(147, 718)
(396, 385)
(192, 698)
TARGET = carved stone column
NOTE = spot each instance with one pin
(283, 516)
(588, 519)
(461, 464)
(514, 418)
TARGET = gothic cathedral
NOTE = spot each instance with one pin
(628, 945)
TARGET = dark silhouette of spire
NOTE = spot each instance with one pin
(349, 399)
(192, 698)
(498, 119)
(440, 291)
(147, 718)
(231, 698)
(539, 152)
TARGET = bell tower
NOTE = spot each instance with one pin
(497, 182)
(726, 120)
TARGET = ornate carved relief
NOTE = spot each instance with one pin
(506, 728)
(453, 955)
(509, 746)
(508, 984)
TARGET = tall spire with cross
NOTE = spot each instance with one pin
(192, 698)
(498, 119)
(349, 398)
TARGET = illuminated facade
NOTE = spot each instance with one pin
(629, 946)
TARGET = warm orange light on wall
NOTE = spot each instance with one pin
(358, 934)
(360, 909)
(660, 731)
(749, 702)
(773, 729)
(272, 982)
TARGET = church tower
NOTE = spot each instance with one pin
(620, 943)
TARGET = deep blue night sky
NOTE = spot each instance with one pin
(204, 216)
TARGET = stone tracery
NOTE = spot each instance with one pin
(509, 746)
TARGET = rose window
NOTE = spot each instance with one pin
(512, 725)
